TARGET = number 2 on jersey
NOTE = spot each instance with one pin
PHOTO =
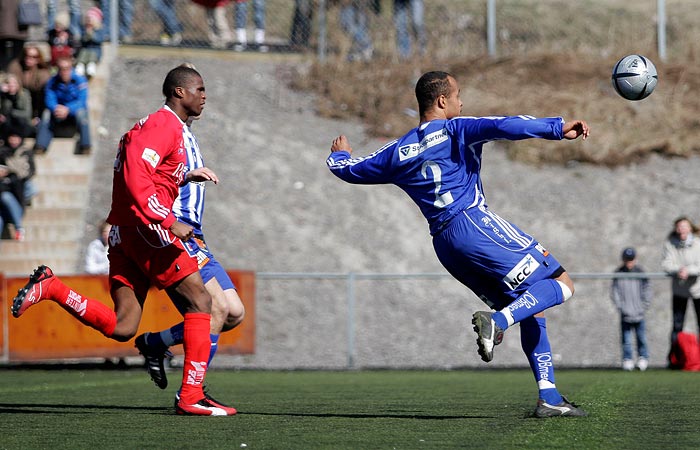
(441, 200)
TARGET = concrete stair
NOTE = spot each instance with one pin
(55, 222)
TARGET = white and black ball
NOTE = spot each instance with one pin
(634, 77)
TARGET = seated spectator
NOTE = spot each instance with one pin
(61, 40)
(66, 100)
(16, 169)
(91, 37)
(33, 73)
(15, 106)
(96, 261)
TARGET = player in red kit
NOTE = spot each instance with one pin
(145, 243)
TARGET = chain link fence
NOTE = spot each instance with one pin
(403, 29)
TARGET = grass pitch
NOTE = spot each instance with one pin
(75, 409)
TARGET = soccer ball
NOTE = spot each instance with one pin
(634, 77)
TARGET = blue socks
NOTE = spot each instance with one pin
(214, 346)
(535, 344)
(542, 295)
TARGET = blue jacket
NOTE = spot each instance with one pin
(73, 94)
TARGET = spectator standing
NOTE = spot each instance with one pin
(681, 260)
(126, 16)
(241, 20)
(96, 260)
(220, 35)
(172, 28)
(632, 297)
(402, 10)
(12, 36)
(62, 41)
(15, 106)
(90, 52)
(302, 23)
(66, 100)
(16, 169)
(74, 16)
(33, 73)
(355, 22)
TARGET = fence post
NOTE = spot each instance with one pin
(351, 319)
(661, 29)
(491, 27)
(322, 31)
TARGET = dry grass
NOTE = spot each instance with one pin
(545, 73)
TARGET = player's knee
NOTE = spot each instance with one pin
(567, 289)
(234, 318)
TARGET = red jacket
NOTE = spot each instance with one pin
(148, 170)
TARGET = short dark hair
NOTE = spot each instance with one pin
(178, 77)
(429, 87)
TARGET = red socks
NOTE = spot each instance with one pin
(92, 313)
(197, 345)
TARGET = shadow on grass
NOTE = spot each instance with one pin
(368, 416)
(50, 408)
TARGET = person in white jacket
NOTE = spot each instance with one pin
(96, 261)
(681, 260)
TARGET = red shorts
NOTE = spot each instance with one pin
(141, 256)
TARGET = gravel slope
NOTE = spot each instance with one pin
(278, 209)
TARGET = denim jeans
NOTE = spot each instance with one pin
(125, 17)
(403, 37)
(10, 210)
(241, 14)
(166, 11)
(76, 19)
(354, 21)
(639, 329)
(44, 132)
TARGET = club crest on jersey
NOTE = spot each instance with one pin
(521, 272)
(413, 150)
(150, 156)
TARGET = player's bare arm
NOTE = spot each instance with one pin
(341, 144)
(575, 128)
(181, 230)
(201, 174)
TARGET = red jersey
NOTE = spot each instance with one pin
(148, 170)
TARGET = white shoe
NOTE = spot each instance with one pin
(91, 69)
(80, 69)
(642, 364)
(628, 365)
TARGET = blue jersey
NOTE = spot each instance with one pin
(189, 205)
(438, 163)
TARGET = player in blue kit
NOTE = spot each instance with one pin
(227, 309)
(438, 165)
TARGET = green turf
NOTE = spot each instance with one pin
(73, 409)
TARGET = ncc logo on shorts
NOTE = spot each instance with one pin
(521, 272)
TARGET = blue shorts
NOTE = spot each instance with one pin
(209, 267)
(493, 257)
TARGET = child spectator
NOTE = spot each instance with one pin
(241, 18)
(61, 39)
(96, 261)
(632, 297)
(91, 37)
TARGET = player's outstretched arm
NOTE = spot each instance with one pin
(575, 128)
(341, 144)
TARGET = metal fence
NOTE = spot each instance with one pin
(363, 30)
(423, 320)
